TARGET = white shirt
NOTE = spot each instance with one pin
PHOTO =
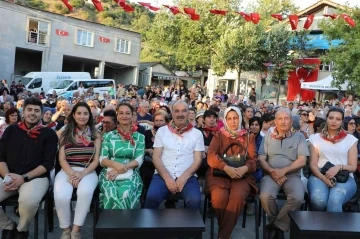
(178, 152)
(81, 90)
(334, 153)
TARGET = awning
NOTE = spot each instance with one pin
(162, 76)
(319, 41)
(323, 85)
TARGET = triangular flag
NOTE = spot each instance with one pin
(348, 19)
(189, 10)
(175, 10)
(255, 17)
(152, 8)
(68, 5)
(294, 21)
(245, 16)
(332, 16)
(98, 5)
(277, 16)
(218, 12)
(192, 13)
(309, 21)
(145, 4)
(128, 8)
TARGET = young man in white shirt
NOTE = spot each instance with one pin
(177, 156)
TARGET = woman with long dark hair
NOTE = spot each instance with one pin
(332, 152)
(80, 146)
(122, 154)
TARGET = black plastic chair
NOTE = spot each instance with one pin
(94, 202)
(13, 201)
(248, 200)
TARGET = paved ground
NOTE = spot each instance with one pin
(238, 233)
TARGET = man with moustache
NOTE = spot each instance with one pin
(281, 155)
(27, 155)
(177, 155)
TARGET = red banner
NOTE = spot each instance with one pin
(62, 33)
(301, 74)
(104, 39)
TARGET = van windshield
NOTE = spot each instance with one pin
(64, 84)
(26, 80)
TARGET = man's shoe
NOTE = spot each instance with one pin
(9, 234)
(280, 233)
(21, 235)
(271, 232)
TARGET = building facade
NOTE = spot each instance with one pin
(33, 40)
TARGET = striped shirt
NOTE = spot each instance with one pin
(78, 155)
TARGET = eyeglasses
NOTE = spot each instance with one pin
(352, 123)
(106, 122)
(306, 115)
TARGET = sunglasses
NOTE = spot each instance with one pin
(306, 115)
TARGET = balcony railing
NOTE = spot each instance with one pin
(38, 38)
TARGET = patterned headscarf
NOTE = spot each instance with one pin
(340, 135)
(234, 134)
(83, 137)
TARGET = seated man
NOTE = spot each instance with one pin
(177, 155)
(286, 154)
(27, 154)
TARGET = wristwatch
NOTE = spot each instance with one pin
(26, 177)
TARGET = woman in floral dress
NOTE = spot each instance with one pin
(121, 155)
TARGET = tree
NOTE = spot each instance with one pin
(278, 58)
(241, 48)
(346, 55)
(189, 44)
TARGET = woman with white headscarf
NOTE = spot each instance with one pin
(228, 193)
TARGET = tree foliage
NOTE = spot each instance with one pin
(345, 56)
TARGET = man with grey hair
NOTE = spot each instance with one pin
(177, 156)
(282, 154)
(143, 116)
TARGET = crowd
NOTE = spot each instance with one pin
(149, 143)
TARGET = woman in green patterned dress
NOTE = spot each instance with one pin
(121, 156)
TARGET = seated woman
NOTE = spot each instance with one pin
(122, 154)
(78, 157)
(255, 127)
(228, 194)
(336, 146)
(46, 119)
(12, 116)
(160, 118)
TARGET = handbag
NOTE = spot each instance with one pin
(341, 177)
(122, 176)
(232, 161)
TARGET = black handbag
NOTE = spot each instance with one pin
(232, 161)
(341, 177)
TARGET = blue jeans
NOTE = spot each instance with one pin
(323, 198)
(158, 192)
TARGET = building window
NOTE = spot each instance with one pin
(84, 38)
(123, 46)
(38, 32)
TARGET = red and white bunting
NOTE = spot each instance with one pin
(309, 21)
(68, 5)
(294, 21)
(97, 5)
(348, 19)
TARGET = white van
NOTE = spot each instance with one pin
(66, 88)
(44, 81)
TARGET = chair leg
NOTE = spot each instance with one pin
(260, 211)
(205, 208)
(256, 219)
(244, 216)
(212, 224)
(36, 225)
(50, 213)
(45, 216)
(264, 224)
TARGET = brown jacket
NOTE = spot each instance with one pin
(218, 145)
